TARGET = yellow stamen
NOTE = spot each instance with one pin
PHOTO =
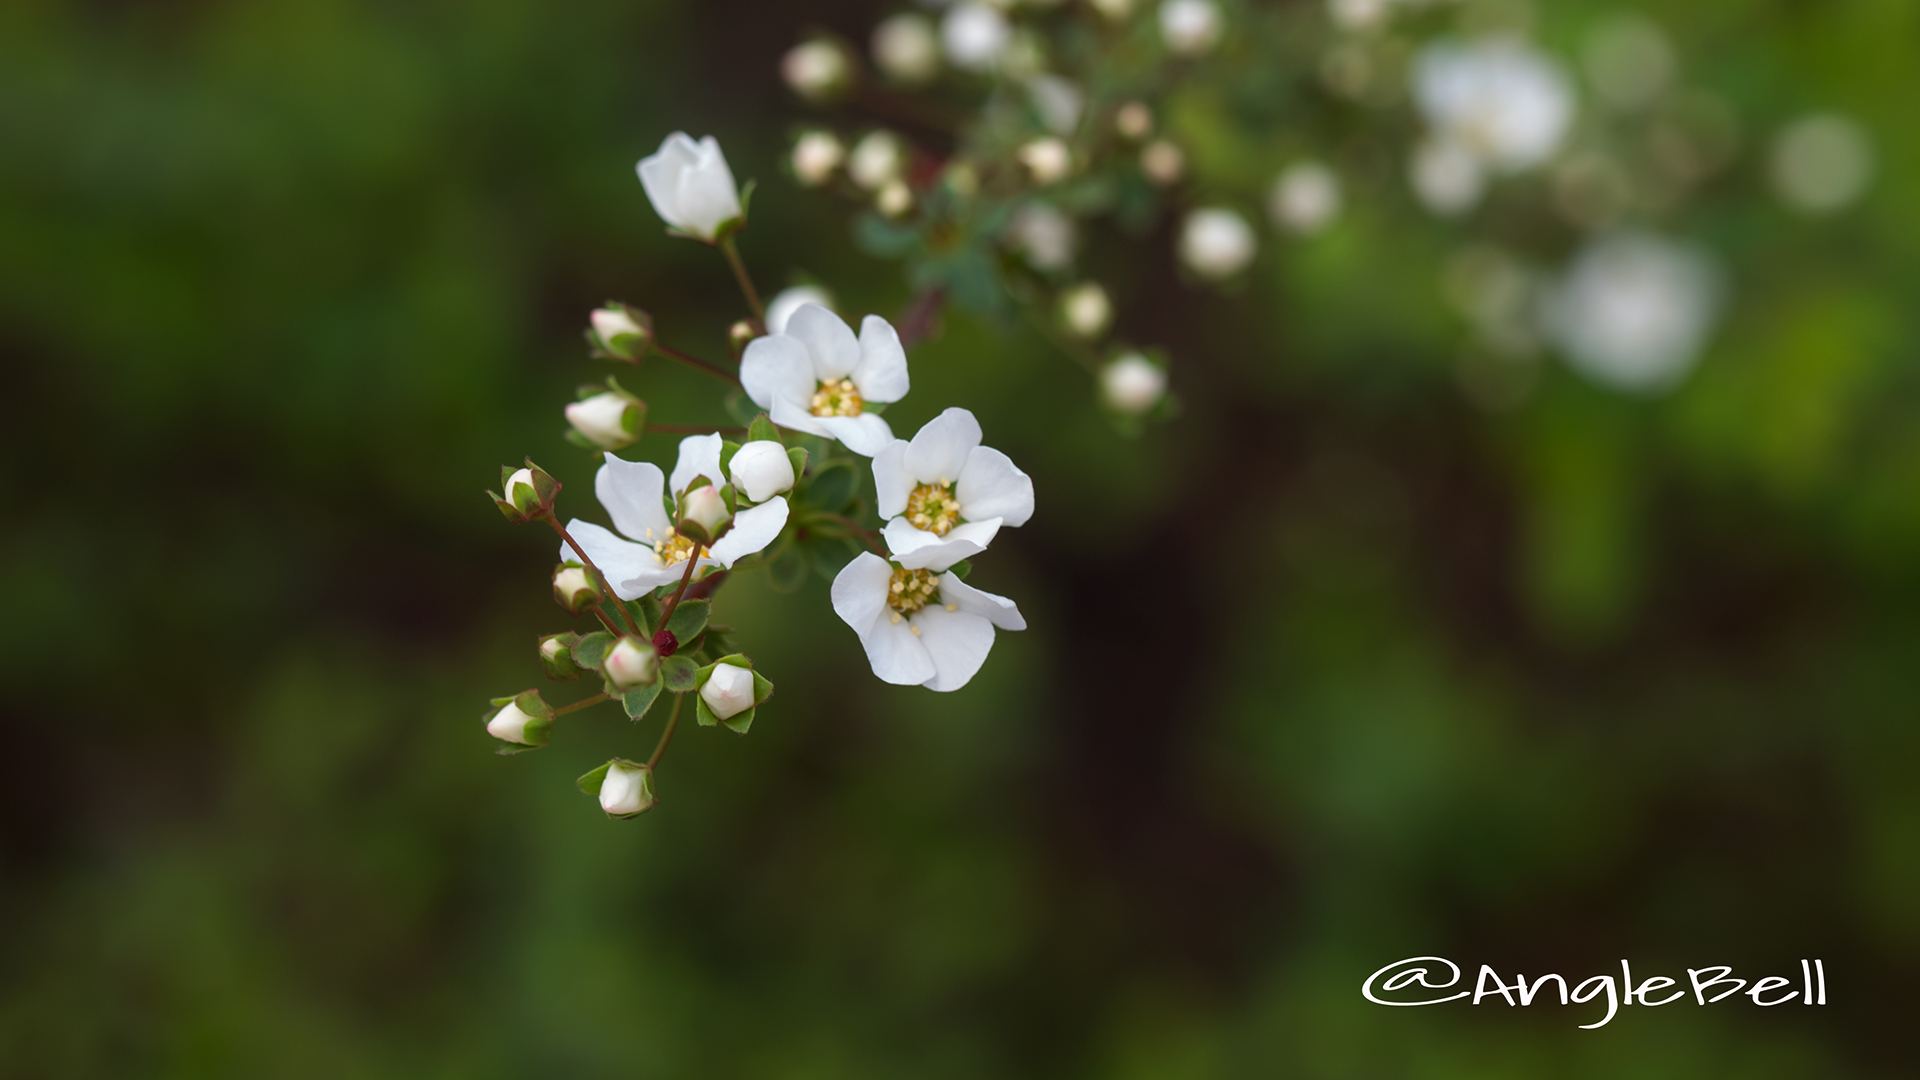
(837, 397)
(932, 508)
(910, 591)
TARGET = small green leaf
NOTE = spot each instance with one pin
(762, 429)
(703, 714)
(762, 689)
(679, 673)
(590, 783)
(592, 648)
(797, 456)
(637, 702)
(961, 569)
(689, 619)
(727, 450)
(650, 609)
(831, 487)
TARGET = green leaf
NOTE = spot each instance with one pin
(831, 487)
(727, 450)
(591, 782)
(637, 702)
(762, 429)
(679, 673)
(592, 648)
(649, 606)
(762, 688)
(962, 568)
(689, 619)
(797, 456)
(703, 714)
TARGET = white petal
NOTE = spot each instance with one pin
(631, 568)
(631, 492)
(917, 549)
(997, 610)
(776, 368)
(896, 654)
(753, 529)
(859, 591)
(865, 434)
(796, 418)
(991, 486)
(828, 339)
(660, 175)
(881, 373)
(939, 450)
(958, 643)
(708, 197)
(699, 456)
(891, 484)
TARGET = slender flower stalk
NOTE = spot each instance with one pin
(582, 703)
(746, 281)
(697, 364)
(666, 736)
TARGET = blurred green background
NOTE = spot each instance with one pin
(1334, 670)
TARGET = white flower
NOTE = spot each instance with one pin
(919, 628)
(1086, 309)
(1634, 311)
(1132, 384)
(605, 420)
(814, 376)
(789, 300)
(1305, 197)
(634, 496)
(1447, 177)
(1190, 27)
(815, 155)
(510, 725)
(1058, 102)
(728, 691)
(631, 663)
(1133, 120)
(1358, 14)
(975, 36)
(1216, 242)
(876, 159)
(626, 789)
(1821, 163)
(895, 199)
(1044, 235)
(761, 469)
(1504, 102)
(1163, 162)
(815, 69)
(690, 186)
(1047, 159)
(906, 48)
(945, 494)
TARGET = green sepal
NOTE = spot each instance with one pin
(679, 673)
(689, 619)
(591, 783)
(961, 569)
(797, 455)
(574, 438)
(831, 487)
(727, 450)
(538, 729)
(761, 429)
(637, 702)
(591, 650)
(560, 667)
(531, 703)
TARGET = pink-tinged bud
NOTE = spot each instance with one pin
(704, 507)
(728, 691)
(627, 789)
(631, 663)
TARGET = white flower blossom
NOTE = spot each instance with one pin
(1216, 242)
(894, 199)
(906, 47)
(1305, 197)
(761, 469)
(975, 36)
(1501, 100)
(634, 495)
(1634, 311)
(626, 789)
(815, 155)
(1447, 177)
(1044, 235)
(1132, 384)
(1047, 159)
(510, 725)
(1821, 163)
(1190, 27)
(919, 628)
(603, 419)
(1163, 162)
(728, 691)
(879, 157)
(792, 299)
(1086, 310)
(815, 376)
(1058, 101)
(816, 69)
(690, 186)
(945, 495)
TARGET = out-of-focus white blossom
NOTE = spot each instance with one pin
(1446, 177)
(761, 469)
(617, 332)
(1058, 101)
(877, 158)
(1216, 242)
(1132, 385)
(1305, 197)
(895, 199)
(920, 628)
(815, 155)
(1629, 61)
(1086, 310)
(1048, 160)
(608, 420)
(1821, 163)
(1114, 9)
(816, 70)
(1162, 162)
(1190, 27)
(1044, 235)
(815, 376)
(944, 495)
(975, 36)
(907, 48)
(792, 299)
(1499, 99)
(690, 186)
(1133, 120)
(1633, 311)
(1358, 14)
(728, 691)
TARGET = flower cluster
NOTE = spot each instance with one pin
(1073, 118)
(785, 498)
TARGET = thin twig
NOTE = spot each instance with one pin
(673, 721)
(714, 370)
(746, 283)
(693, 429)
(626, 616)
(612, 627)
(582, 703)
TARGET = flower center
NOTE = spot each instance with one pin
(836, 397)
(675, 548)
(911, 590)
(933, 508)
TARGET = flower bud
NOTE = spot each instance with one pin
(739, 335)
(528, 493)
(703, 513)
(1216, 243)
(906, 48)
(1086, 310)
(1133, 120)
(608, 420)
(817, 70)
(627, 789)
(1163, 162)
(620, 332)
(1305, 198)
(1048, 160)
(524, 720)
(815, 155)
(556, 655)
(761, 469)
(1132, 384)
(975, 36)
(878, 157)
(631, 663)
(1190, 27)
(575, 588)
(895, 199)
(728, 691)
